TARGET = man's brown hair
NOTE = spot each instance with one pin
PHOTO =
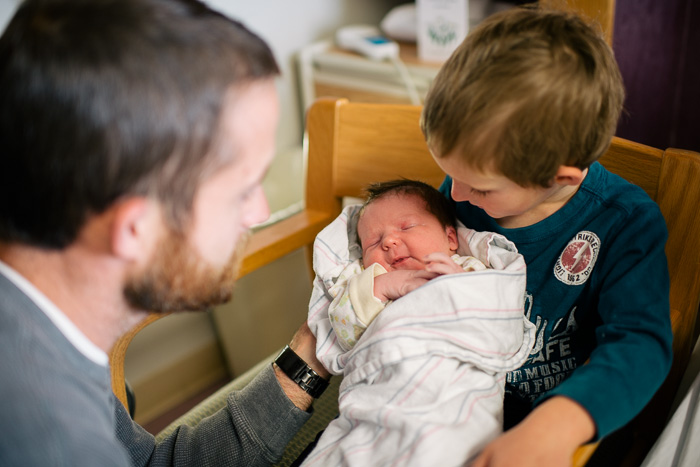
(106, 99)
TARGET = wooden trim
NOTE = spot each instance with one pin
(583, 454)
(280, 239)
(682, 169)
(600, 11)
(118, 354)
(645, 173)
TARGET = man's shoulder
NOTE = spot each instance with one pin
(51, 411)
(52, 432)
(39, 364)
(37, 356)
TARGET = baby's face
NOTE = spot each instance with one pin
(397, 232)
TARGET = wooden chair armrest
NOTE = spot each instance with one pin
(279, 239)
(118, 353)
(676, 321)
(583, 453)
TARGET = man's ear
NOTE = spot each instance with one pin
(136, 226)
(452, 237)
(568, 175)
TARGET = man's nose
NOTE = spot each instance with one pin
(256, 209)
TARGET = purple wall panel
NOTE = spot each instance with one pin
(657, 44)
(686, 132)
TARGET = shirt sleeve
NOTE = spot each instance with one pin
(252, 429)
(361, 291)
(354, 305)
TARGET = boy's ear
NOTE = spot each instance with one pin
(452, 237)
(568, 175)
(136, 226)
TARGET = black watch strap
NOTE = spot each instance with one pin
(297, 369)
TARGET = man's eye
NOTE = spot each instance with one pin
(245, 195)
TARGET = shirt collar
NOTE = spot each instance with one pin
(74, 335)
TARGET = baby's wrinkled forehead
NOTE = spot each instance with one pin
(377, 203)
(381, 214)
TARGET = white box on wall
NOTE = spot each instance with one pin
(442, 26)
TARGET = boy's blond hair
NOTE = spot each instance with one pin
(528, 91)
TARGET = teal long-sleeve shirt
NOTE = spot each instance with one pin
(598, 292)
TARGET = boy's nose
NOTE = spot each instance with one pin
(460, 192)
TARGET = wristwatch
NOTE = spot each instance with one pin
(299, 372)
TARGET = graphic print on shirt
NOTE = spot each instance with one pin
(550, 363)
(576, 262)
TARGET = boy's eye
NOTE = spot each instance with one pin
(479, 192)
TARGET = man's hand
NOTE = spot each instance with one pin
(396, 284)
(304, 345)
(548, 436)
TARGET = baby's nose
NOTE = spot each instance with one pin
(391, 241)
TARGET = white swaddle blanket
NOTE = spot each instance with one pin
(424, 384)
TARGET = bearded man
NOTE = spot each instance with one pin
(135, 136)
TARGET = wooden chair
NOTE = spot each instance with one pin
(352, 144)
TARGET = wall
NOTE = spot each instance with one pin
(7, 7)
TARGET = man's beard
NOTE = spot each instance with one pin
(178, 279)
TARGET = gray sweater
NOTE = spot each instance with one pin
(57, 408)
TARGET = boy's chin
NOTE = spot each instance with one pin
(495, 215)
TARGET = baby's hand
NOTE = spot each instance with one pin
(441, 264)
(396, 284)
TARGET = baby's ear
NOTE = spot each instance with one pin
(452, 237)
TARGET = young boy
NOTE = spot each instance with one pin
(424, 384)
(407, 232)
(517, 118)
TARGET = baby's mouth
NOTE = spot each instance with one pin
(407, 262)
(398, 262)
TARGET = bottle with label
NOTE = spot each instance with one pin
(442, 26)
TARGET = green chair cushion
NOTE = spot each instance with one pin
(325, 409)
